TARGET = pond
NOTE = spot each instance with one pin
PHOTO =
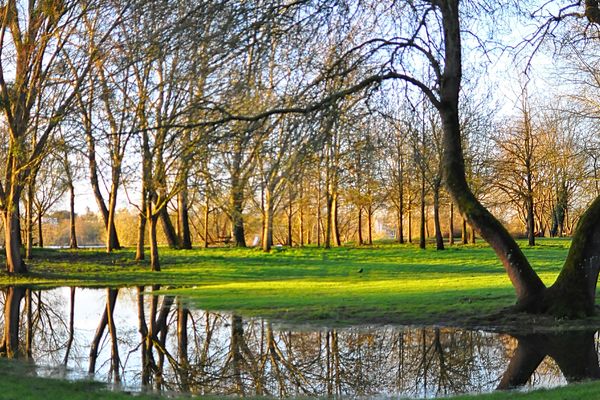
(138, 340)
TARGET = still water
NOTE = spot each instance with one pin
(136, 340)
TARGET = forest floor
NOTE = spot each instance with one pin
(464, 285)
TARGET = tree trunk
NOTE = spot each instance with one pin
(139, 248)
(464, 234)
(12, 241)
(267, 240)
(530, 221)
(319, 210)
(185, 236)
(111, 231)
(451, 223)
(422, 243)
(206, 215)
(168, 228)
(290, 224)
(410, 222)
(359, 228)
(112, 241)
(72, 231)
(335, 227)
(301, 215)
(154, 260)
(237, 219)
(40, 231)
(401, 216)
(29, 221)
(328, 226)
(370, 224)
(439, 238)
(528, 285)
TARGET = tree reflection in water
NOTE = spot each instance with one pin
(137, 338)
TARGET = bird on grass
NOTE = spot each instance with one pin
(360, 271)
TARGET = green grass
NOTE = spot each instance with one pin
(399, 283)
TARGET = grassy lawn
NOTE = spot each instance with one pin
(398, 283)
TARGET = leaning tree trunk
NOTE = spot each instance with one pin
(168, 228)
(528, 286)
(573, 293)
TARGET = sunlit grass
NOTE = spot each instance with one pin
(398, 283)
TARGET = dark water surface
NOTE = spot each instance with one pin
(151, 342)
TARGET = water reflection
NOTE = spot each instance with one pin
(137, 339)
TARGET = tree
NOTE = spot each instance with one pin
(40, 50)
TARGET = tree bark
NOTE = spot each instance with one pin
(401, 213)
(40, 230)
(12, 241)
(422, 243)
(410, 238)
(141, 235)
(206, 215)
(370, 224)
(439, 238)
(359, 228)
(236, 212)
(185, 236)
(29, 221)
(168, 228)
(152, 223)
(111, 231)
(267, 240)
(290, 224)
(527, 284)
(335, 221)
(451, 227)
(72, 231)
